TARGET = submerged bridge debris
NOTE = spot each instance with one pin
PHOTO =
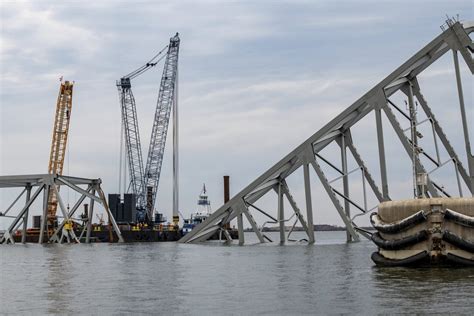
(455, 38)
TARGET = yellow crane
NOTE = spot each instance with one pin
(59, 142)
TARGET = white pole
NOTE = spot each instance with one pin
(175, 154)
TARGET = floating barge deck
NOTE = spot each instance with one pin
(102, 233)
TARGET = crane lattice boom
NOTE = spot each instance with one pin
(132, 136)
(166, 99)
(59, 142)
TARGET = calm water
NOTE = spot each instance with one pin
(330, 277)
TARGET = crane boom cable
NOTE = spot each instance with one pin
(148, 65)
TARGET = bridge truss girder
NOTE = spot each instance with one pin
(308, 155)
(46, 183)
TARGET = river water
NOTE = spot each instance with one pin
(330, 277)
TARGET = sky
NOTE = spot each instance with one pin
(255, 80)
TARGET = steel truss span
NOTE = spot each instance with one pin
(36, 184)
(455, 39)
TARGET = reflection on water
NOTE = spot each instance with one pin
(425, 290)
(169, 278)
(58, 288)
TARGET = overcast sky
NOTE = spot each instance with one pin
(255, 80)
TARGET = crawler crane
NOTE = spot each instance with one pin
(144, 181)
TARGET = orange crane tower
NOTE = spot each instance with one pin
(59, 142)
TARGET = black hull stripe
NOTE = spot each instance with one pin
(397, 227)
(382, 261)
(458, 241)
(399, 243)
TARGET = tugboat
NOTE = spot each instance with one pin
(203, 212)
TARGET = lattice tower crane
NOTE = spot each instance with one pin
(59, 142)
(144, 183)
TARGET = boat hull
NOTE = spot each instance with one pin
(424, 231)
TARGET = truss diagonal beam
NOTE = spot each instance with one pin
(308, 227)
(8, 235)
(54, 237)
(366, 172)
(79, 190)
(345, 218)
(242, 208)
(64, 211)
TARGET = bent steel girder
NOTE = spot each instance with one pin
(455, 38)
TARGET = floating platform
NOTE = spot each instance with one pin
(428, 231)
(102, 233)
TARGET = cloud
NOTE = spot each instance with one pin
(345, 21)
(30, 27)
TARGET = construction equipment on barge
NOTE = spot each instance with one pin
(49, 227)
(144, 181)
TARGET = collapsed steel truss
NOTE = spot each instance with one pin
(33, 186)
(454, 38)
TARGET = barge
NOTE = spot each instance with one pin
(133, 226)
(104, 233)
(429, 231)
